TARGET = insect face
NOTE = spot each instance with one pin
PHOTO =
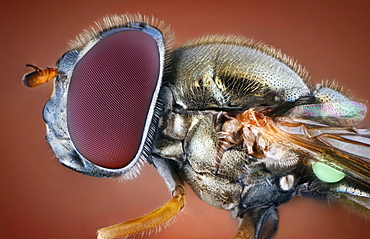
(112, 74)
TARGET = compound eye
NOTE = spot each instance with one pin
(110, 98)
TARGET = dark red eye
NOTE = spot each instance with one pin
(109, 97)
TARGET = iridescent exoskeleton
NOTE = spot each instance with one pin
(236, 119)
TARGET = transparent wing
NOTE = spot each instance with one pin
(344, 148)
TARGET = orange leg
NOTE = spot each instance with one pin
(147, 222)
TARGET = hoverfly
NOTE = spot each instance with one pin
(236, 119)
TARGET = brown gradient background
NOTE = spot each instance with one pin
(42, 199)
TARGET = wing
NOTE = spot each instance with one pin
(344, 148)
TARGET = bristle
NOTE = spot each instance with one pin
(332, 84)
(118, 21)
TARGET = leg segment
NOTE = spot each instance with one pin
(157, 217)
(261, 223)
(147, 222)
